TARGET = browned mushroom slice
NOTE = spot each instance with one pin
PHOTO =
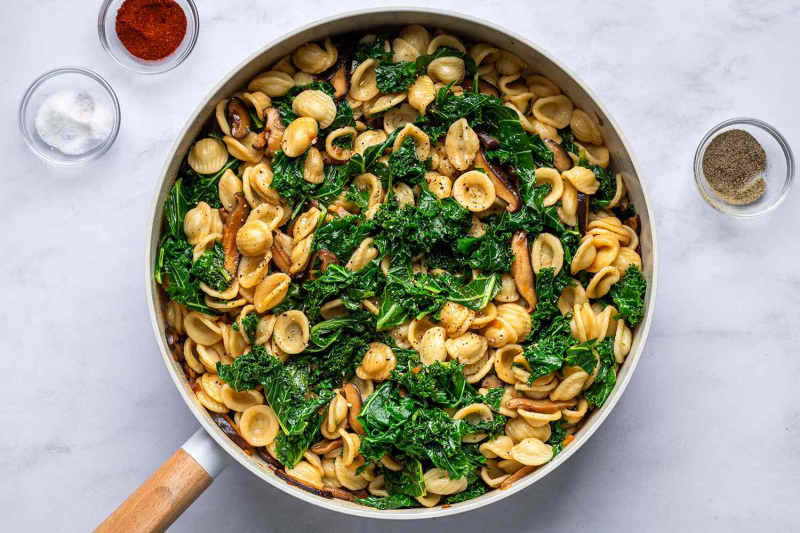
(540, 406)
(583, 212)
(273, 463)
(230, 228)
(261, 141)
(486, 138)
(238, 117)
(484, 87)
(326, 445)
(175, 347)
(280, 257)
(353, 397)
(502, 183)
(341, 494)
(275, 129)
(516, 476)
(491, 382)
(326, 257)
(561, 159)
(341, 83)
(522, 270)
(301, 484)
(634, 223)
(229, 428)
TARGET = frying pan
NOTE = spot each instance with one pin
(184, 476)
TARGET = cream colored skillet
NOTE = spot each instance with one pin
(184, 476)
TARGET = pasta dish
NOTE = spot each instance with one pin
(399, 268)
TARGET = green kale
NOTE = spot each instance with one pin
(288, 178)
(542, 155)
(341, 235)
(286, 387)
(395, 77)
(476, 294)
(396, 501)
(493, 397)
(407, 481)
(444, 384)
(404, 165)
(570, 241)
(250, 326)
(546, 354)
(174, 261)
(359, 164)
(582, 355)
(338, 282)
(175, 208)
(375, 50)
(332, 186)
(343, 119)
(568, 140)
(628, 296)
(290, 448)
(557, 436)
(548, 289)
(423, 433)
(205, 188)
(606, 378)
(210, 268)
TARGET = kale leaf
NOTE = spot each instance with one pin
(374, 50)
(606, 377)
(395, 77)
(582, 355)
(341, 235)
(546, 354)
(396, 501)
(628, 296)
(407, 481)
(210, 268)
(404, 165)
(249, 325)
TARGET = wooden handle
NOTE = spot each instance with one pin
(160, 500)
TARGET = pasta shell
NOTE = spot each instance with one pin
(208, 156)
(317, 105)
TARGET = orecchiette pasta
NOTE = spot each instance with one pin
(208, 156)
(474, 190)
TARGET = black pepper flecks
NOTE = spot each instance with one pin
(733, 164)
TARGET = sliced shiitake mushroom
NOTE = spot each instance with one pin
(229, 428)
(486, 138)
(326, 257)
(491, 382)
(522, 269)
(540, 406)
(353, 397)
(234, 221)
(303, 485)
(281, 257)
(484, 87)
(274, 129)
(634, 223)
(175, 347)
(503, 185)
(583, 212)
(341, 83)
(326, 445)
(516, 476)
(273, 463)
(561, 159)
(238, 117)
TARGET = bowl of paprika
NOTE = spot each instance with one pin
(148, 36)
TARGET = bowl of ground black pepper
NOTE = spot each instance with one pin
(148, 36)
(744, 167)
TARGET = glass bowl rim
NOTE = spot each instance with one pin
(718, 204)
(52, 73)
(143, 68)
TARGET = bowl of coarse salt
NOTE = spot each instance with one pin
(69, 116)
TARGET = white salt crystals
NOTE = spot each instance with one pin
(74, 123)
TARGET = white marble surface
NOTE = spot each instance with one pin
(706, 437)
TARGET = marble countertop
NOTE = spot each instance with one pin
(706, 436)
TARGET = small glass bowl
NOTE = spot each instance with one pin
(70, 79)
(106, 27)
(779, 174)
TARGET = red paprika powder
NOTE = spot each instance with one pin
(151, 29)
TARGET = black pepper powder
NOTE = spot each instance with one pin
(733, 164)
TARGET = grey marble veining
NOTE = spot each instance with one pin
(706, 437)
